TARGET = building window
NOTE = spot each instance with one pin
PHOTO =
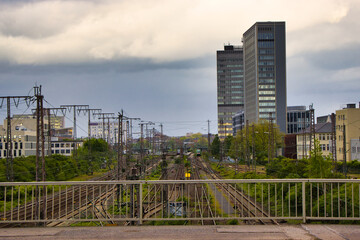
(267, 104)
(262, 44)
(266, 98)
(262, 92)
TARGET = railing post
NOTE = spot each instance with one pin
(141, 203)
(304, 201)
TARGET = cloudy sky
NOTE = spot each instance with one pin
(156, 59)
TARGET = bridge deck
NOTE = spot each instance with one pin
(304, 231)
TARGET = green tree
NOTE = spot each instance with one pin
(215, 146)
(319, 166)
(243, 141)
(227, 144)
(93, 155)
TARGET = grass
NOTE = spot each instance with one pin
(86, 177)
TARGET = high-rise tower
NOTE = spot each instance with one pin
(265, 73)
(230, 87)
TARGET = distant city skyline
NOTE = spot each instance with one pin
(156, 59)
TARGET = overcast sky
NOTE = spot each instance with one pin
(156, 59)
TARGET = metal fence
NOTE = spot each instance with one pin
(205, 201)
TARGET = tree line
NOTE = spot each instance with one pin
(91, 157)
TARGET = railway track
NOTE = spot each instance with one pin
(244, 205)
(58, 204)
(155, 202)
(201, 193)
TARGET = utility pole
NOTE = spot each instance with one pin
(120, 156)
(271, 144)
(247, 144)
(142, 168)
(161, 139)
(40, 142)
(120, 143)
(333, 138)
(141, 145)
(253, 147)
(89, 111)
(312, 129)
(40, 150)
(77, 109)
(9, 157)
(48, 111)
(103, 116)
(8, 145)
(208, 121)
(304, 137)
(153, 141)
(344, 151)
(242, 145)
(129, 136)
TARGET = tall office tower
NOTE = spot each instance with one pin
(230, 87)
(265, 73)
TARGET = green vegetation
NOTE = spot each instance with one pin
(215, 147)
(255, 139)
(94, 156)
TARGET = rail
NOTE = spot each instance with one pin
(126, 201)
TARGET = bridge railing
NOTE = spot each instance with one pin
(206, 201)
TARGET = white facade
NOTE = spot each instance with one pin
(97, 128)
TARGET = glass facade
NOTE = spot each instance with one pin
(265, 73)
(230, 87)
(298, 119)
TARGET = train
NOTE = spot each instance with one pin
(198, 152)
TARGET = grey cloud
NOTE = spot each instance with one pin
(335, 59)
(174, 91)
(122, 66)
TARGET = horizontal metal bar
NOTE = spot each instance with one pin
(181, 181)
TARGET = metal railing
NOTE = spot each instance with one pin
(205, 201)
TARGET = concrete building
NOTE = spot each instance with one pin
(265, 73)
(23, 143)
(230, 87)
(298, 119)
(322, 133)
(23, 131)
(62, 133)
(97, 130)
(238, 121)
(29, 121)
(348, 133)
(64, 147)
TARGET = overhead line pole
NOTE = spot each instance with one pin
(208, 121)
(129, 130)
(103, 116)
(8, 145)
(89, 111)
(48, 113)
(77, 109)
